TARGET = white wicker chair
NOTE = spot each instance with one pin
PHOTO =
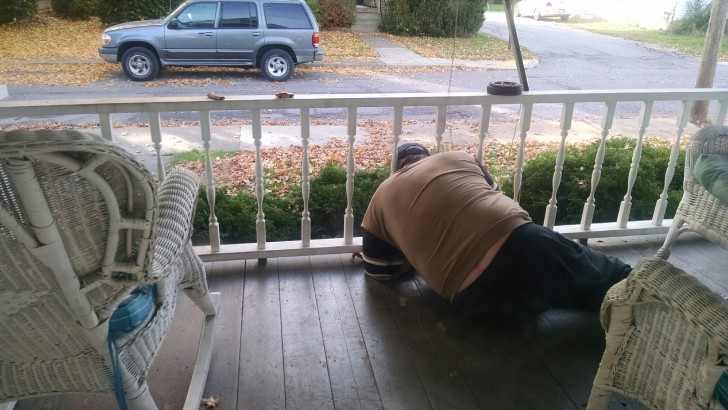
(82, 224)
(699, 210)
(667, 340)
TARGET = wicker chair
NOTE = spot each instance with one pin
(82, 224)
(667, 340)
(699, 210)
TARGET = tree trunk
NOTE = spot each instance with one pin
(716, 26)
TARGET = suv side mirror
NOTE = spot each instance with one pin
(174, 24)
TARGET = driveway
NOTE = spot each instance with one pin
(572, 59)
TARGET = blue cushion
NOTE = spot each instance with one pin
(721, 389)
(711, 171)
(132, 311)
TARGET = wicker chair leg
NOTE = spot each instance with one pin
(598, 399)
(139, 398)
(204, 302)
(672, 235)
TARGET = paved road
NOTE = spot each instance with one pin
(577, 59)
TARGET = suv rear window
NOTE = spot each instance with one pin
(239, 15)
(279, 15)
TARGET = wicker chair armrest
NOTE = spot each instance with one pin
(656, 280)
(176, 205)
(617, 295)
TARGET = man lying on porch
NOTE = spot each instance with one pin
(443, 217)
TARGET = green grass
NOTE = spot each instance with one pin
(199, 156)
(684, 44)
(495, 7)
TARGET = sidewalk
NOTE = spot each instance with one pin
(394, 55)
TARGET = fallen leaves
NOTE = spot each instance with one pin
(210, 403)
(46, 37)
(478, 47)
(340, 43)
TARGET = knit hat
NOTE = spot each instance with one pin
(410, 149)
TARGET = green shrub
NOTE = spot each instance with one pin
(237, 214)
(336, 13)
(115, 11)
(74, 9)
(695, 20)
(327, 199)
(433, 18)
(575, 184)
(16, 10)
(316, 10)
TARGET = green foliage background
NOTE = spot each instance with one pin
(11, 10)
(327, 204)
(576, 182)
(115, 11)
(74, 9)
(433, 18)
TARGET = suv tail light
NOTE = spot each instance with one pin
(315, 39)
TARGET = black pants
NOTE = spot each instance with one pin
(537, 269)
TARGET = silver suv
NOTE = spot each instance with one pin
(274, 35)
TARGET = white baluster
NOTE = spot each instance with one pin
(213, 226)
(588, 214)
(305, 178)
(483, 130)
(720, 113)
(661, 205)
(105, 125)
(259, 183)
(524, 126)
(441, 123)
(626, 205)
(397, 130)
(567, 114)
(349, 215)
(156, 129)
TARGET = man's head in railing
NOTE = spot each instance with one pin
(409, 153)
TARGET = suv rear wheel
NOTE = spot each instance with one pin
(140, 64)
(277, 65)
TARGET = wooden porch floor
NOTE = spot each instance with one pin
(314, 333)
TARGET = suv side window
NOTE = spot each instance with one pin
(281, 15)
(198, 15)
(239, 15)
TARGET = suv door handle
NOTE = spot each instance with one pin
(206, 33)
(256, 33)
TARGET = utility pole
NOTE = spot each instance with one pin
(709, 61)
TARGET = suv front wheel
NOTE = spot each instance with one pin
(140, 64)
(277, 65)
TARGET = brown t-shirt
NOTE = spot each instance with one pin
(442, 214)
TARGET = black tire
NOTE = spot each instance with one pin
(277, 65)
(140, 64)
(504, 88)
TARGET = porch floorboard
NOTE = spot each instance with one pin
(314, 333)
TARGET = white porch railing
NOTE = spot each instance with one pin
(638, 104)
